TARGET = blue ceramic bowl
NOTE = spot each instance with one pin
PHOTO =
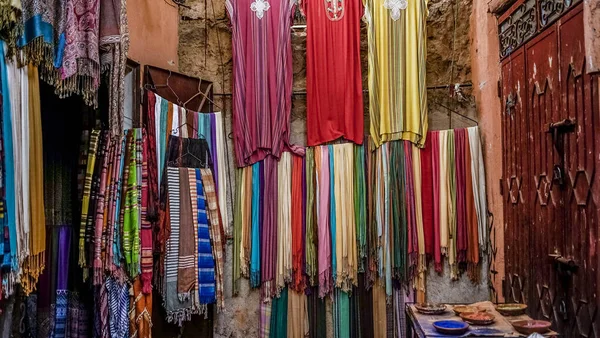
(453, 327)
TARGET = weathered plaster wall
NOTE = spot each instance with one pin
(591, 17)
(153, 32)
(486, 73)
(205, 51)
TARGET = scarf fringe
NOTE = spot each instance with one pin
(474, 272)
(255, 279)
(324, 284)
(183, 297)
(267, 291)
(33, 266)
(85, 83)
(180, 316)
(97, 271)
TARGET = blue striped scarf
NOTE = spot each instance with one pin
(118, 302)
(206, 262)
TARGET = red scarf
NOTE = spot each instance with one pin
(461, 216)
(297, 217)
(434, 137)
(427, 197)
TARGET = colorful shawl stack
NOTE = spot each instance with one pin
(166, 118)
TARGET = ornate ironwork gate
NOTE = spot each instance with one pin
(551, 142)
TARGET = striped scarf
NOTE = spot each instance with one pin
(216, 233)
(118, 307)
(297, 224)
(206, 262)
(146, 226)
(87, 190)
(130, 210)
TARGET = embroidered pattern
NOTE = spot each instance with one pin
(395, 6)
(334, 9)
(260, 7)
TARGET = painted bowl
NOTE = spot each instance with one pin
(460, 309)
(478, 318)
(452, 327)
(511, 309)
(529, 326)
(430, 308)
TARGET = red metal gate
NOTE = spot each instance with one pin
(551, 193)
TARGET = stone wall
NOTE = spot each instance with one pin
(205, 51)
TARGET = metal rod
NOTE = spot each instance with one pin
(303, 92)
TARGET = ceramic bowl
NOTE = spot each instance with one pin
(530, 326)
(430, 308)
(452, 327)
(478, 318)
(460, 309)
(511, 309)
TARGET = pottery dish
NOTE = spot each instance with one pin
(460, 309)
(478, 318)
(451, 327)
(530, 326)
(430, 308)
(511, 309)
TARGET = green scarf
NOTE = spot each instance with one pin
(279, 312)
(399, 223)
(360, 212)
(311, 217)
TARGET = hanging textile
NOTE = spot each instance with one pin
(451, 184)
(311, 218)
(35, 262)
(146, 231)
(118, 312)
(397, 57)
(461, 212)
(479, 190)
(345, 228)
(324, 239)
(263, 78)
(297, 224)
(206, 261)
(297, 321)
(140, 312)
(255, 264)
(268, 231)
(471, 219)
(216, 233)
(284, 221)
(114, 45)
(333, 71)
(428, 196)
(238, 251)
(265, 319)
(360, 213)
(437, 200)
(279, 316)
(166, 119)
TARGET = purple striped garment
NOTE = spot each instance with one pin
(262, 77)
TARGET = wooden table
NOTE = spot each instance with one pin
(420, 325)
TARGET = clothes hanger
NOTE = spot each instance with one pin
(187, 152)
(177, 129)
(204, 98)
(166, 85)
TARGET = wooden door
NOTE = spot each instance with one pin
(551, 141)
